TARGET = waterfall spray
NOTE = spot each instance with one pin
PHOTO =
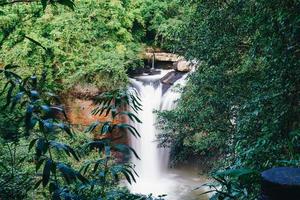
(154, 160)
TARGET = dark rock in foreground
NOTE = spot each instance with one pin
(282, 183)
(170, 78)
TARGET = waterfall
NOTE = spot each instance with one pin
(154, 161)
(153, 61)
(170, 98)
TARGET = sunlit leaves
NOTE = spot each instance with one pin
(112, 50)
(68, 3)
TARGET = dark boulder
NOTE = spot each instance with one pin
(282, 183)
(170, 78)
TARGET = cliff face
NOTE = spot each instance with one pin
(79, 105)
(79, 111)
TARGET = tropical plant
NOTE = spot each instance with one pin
(107, 170)
(43, 126)
(234, 184)
(47, 131)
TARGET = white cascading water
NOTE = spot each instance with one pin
(153, 166)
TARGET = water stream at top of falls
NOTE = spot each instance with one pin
(154, 175)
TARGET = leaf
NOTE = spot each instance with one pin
(125, 173)
(44, 3)
(68, 3)
(39, 164)
(54, 96)
(82, 178)
(65, 128)
(96, 167)
(37, 184)
(47, 125)
(30, 122)
(235, 172)
(11, 75)
(2, 165)
(33, 79)
(4, 88)
(9, 96)
(35, 42)
(59, 109)
(67, 173)
(98, 144)
(66, 148)
(85, 168)
(46, 108)
(131, 116)
(34, 94)
(125, 149)
(21, 160)
(74, 154)
(11, 66)
(53, 187)
(16, 99)
(131, 129)
(131, 174)
(32, 143)
(92, 127)
(46, 172)
(70, 174)
(41, 147)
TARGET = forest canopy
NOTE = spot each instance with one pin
(244, 94)
(96, 43)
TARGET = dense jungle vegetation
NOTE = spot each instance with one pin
(238, 115)
(244, 95)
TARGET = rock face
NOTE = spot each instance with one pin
(79, 104)
(170, 78)
(85, 91)
(155, 56)
(183, 66)
(179, 63)
(162, 56)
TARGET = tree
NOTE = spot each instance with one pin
(245, 90)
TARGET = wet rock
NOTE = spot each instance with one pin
(170, 78)
(183, 66)
(162, 56)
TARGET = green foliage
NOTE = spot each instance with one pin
(56, 160)
(96, 43)
(93, 44)
(42, 126)
(16, 175)
(156, 15)
(244, 94)
(233, 184)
